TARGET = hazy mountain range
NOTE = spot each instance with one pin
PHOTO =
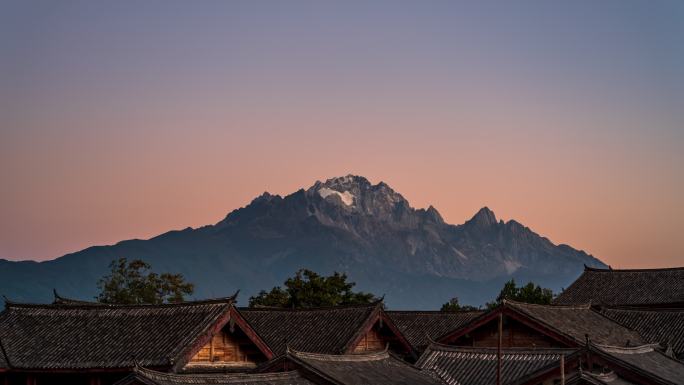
(344, 224)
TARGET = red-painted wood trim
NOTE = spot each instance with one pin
(251, 333)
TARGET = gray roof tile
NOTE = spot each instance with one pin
(477, 366)
(420, 327)
(660, 287)
(79, 336)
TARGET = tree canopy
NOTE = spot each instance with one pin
(454, 305)
(134, 283)
(309, 289)
(529, 293)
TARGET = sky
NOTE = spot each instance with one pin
(126, 119)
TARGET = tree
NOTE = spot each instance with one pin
(453, 305)
(309, 289)
(134, 283)
(530, 293)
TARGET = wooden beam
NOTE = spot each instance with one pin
(562, 369)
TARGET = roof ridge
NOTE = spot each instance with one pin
(585, 306)
(370, 356)
(305, 309)
(541, 350)
(643, 308)
(611, 270)
(285, 374)
(76, 304)
(434, 311)
(645, 348)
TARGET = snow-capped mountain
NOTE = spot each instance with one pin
(343, 224)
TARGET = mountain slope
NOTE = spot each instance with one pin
(344, 224)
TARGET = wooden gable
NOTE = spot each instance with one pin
(229, 348)
(381, 335)
(371, 341)
(514, 335)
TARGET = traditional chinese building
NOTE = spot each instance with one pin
(423, 327)
(79, 342)
(633, 287)
(643, 365)
(655, 325)
(331, 330)
(541, 326)
(478, 366)
(381, 367)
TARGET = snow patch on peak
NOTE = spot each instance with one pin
(346, 197)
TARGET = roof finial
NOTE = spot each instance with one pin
(234, 296)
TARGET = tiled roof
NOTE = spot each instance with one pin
(665, 326)
(576, 322)
(477, 366)
(647, 361)
(3, 360)
(151, 377)
(626, 287)
(320, 330)
(363, 369)
(85, 335)
(420, 327)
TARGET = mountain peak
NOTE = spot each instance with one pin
(484, 217)
(357, 192)
(348, 179)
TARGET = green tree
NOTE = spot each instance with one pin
(453, 305)
(134, 283)
(309, 289)
(529, 293)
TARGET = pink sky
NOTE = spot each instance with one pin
(127, 122)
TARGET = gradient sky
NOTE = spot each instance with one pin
(127, 119)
